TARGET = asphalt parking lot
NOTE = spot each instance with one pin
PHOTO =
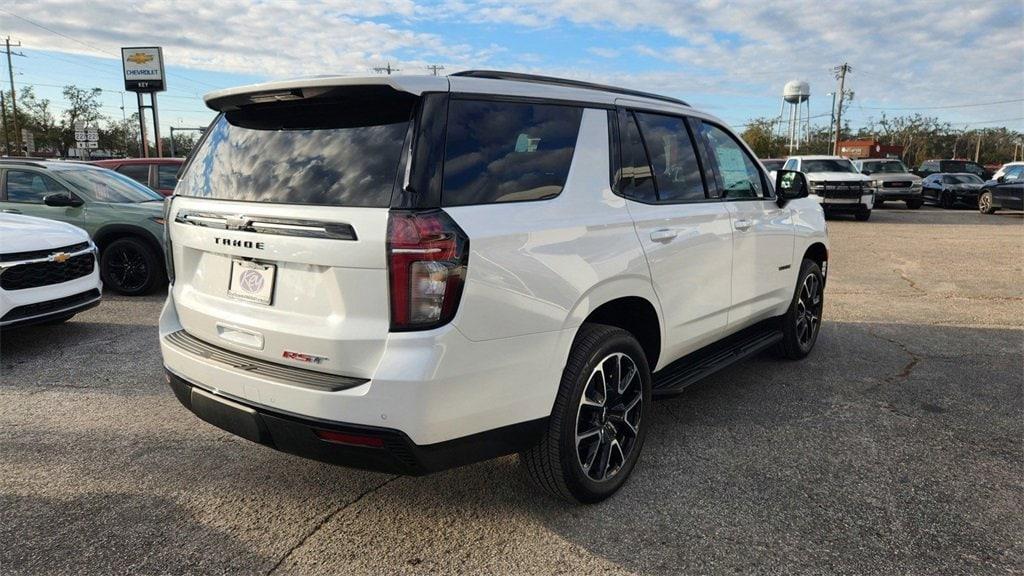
(896, 448)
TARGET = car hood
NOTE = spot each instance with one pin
(140, 209)
(836, 177)
(27, 233)
(891, 177)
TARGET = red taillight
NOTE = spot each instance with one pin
(427, 255)
(350, 439)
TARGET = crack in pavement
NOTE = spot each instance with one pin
(909, 280)
(323, 522)
(904, 372)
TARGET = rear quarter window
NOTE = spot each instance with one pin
(507, 151)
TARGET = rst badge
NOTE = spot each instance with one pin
(302, 357)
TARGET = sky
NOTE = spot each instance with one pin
(962, 62)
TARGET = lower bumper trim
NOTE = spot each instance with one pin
(395, 452)
(40, 312)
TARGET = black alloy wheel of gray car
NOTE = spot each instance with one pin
(129, 266)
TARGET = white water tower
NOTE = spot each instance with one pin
(796, 94)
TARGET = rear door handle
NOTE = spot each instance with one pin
(742, 225)
(11, 210)
(663, 235)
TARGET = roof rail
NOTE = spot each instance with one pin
(23, 160)
(518, 77)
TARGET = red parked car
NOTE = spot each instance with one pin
(160, 174)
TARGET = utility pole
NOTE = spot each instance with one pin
(977, 147)
(840, 71)
(434, 69)
(14, 101)
(388, 69)
(832, 119)
(7, 135)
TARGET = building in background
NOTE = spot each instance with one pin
(855, 149)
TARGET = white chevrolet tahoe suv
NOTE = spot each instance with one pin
(415, 273)
(835, 183)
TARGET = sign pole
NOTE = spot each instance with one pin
(156, 126)
(142, 127)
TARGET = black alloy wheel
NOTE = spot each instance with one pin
(130, 267)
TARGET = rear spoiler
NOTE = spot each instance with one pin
(318, 87)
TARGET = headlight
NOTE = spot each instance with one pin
(876, 183)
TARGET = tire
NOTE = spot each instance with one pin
(130, 266)
(863, 215)
(985, 203)
(804, 312)
(558, 464)
(946, 201)
(914, 204)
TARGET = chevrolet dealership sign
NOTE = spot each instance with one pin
(143, 69)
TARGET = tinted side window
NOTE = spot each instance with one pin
(1013, 174)
(673, 158)
(166, 176)
(790, 164)
(137, 172)
(637, 179)
(30, 187)
(507, 151)
(738, 172)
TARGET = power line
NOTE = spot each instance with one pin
(435, 68)
(975, 104)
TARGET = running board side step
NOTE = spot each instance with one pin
(675, 377)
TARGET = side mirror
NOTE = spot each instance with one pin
(1001, 179)
(62, 200)
(790, 185)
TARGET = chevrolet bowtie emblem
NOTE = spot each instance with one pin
(59, 257)
(140, 58)
(237, 222)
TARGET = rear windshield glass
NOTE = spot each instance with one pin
(507, 151)
(333, 152)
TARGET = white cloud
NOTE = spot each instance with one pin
(925, 52)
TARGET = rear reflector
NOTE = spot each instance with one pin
(350, 439)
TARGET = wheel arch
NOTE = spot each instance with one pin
(107, 234)
(629, 303)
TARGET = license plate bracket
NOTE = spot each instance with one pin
(252, 281)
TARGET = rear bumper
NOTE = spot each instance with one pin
(352, 445)
(433, 386)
